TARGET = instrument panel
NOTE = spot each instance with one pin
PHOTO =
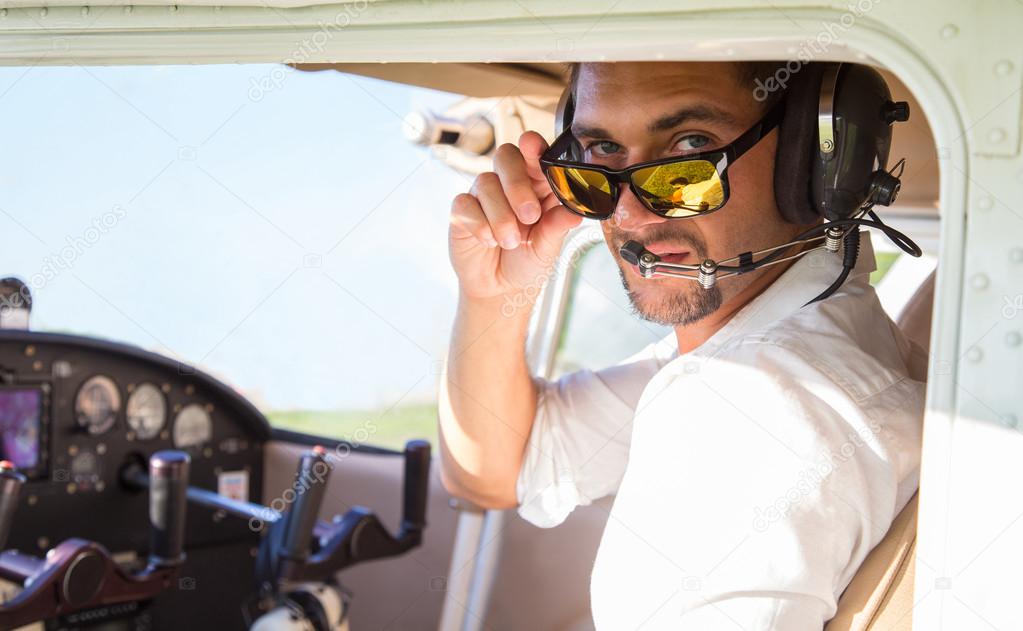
(75, 411)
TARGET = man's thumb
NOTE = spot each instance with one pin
(549, 233)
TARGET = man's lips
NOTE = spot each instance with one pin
(667, 252)
(674, 257)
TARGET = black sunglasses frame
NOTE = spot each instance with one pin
(721, 158)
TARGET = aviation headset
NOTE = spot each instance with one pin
(831, 162)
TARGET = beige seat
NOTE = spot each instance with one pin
(915, 319)
(880, 596)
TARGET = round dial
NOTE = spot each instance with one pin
(192, 427)
(97, 403)
(85, 468)
(146, 411)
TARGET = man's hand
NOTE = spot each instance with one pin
(506, 232)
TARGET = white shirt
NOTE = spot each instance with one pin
(753, 474)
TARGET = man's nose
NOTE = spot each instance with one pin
(630, 213)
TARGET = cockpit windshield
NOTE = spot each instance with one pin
(270, 226)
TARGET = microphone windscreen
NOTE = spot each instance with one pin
(631, 251)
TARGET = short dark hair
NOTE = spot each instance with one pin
(749, 73)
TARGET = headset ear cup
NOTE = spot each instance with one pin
(563, 113)
(797, 146)
(855, 172)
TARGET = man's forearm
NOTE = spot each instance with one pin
(488, 401)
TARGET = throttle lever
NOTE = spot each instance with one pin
(168, 475)
(10, 487)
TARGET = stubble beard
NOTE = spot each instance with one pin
(679, 302)
(672, 307)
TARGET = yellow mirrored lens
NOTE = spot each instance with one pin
(681, 189)
(584, 191)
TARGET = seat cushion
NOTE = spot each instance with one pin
(880, 596)
(915, 318)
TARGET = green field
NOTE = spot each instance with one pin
(884, 263)
(382, 428)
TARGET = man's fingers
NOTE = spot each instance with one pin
(510, 166)
(468, 220)
(506, 207)
(532, 145)
(503, 221)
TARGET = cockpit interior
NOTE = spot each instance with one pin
(225, 308)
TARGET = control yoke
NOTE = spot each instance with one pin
(298, 548)
(80, 574)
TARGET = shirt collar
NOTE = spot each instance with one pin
(803, 281)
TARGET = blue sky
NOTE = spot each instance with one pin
(294, 244)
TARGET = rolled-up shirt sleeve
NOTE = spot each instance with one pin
(579, 442)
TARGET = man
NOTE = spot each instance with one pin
(759, 458)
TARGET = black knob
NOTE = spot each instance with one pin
(84, 578)
(310, 486)
(168, 488)
(10, 486)
(417, 484)
(896, 112)
(886, 188)
(15, 303)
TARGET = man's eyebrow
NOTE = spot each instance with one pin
(701, 113)
(587, 131)
(690, 113)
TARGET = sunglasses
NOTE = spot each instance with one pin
(674, 187)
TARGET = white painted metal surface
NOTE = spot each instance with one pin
(464, 559)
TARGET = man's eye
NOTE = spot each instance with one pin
(693, 142)
(603, 148)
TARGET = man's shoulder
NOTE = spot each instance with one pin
(848, 342)
(801, 390)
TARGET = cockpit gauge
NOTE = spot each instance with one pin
(85, 469)
(97, 403)
(192, 427)
(146, 411)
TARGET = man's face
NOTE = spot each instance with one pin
(629, 112)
